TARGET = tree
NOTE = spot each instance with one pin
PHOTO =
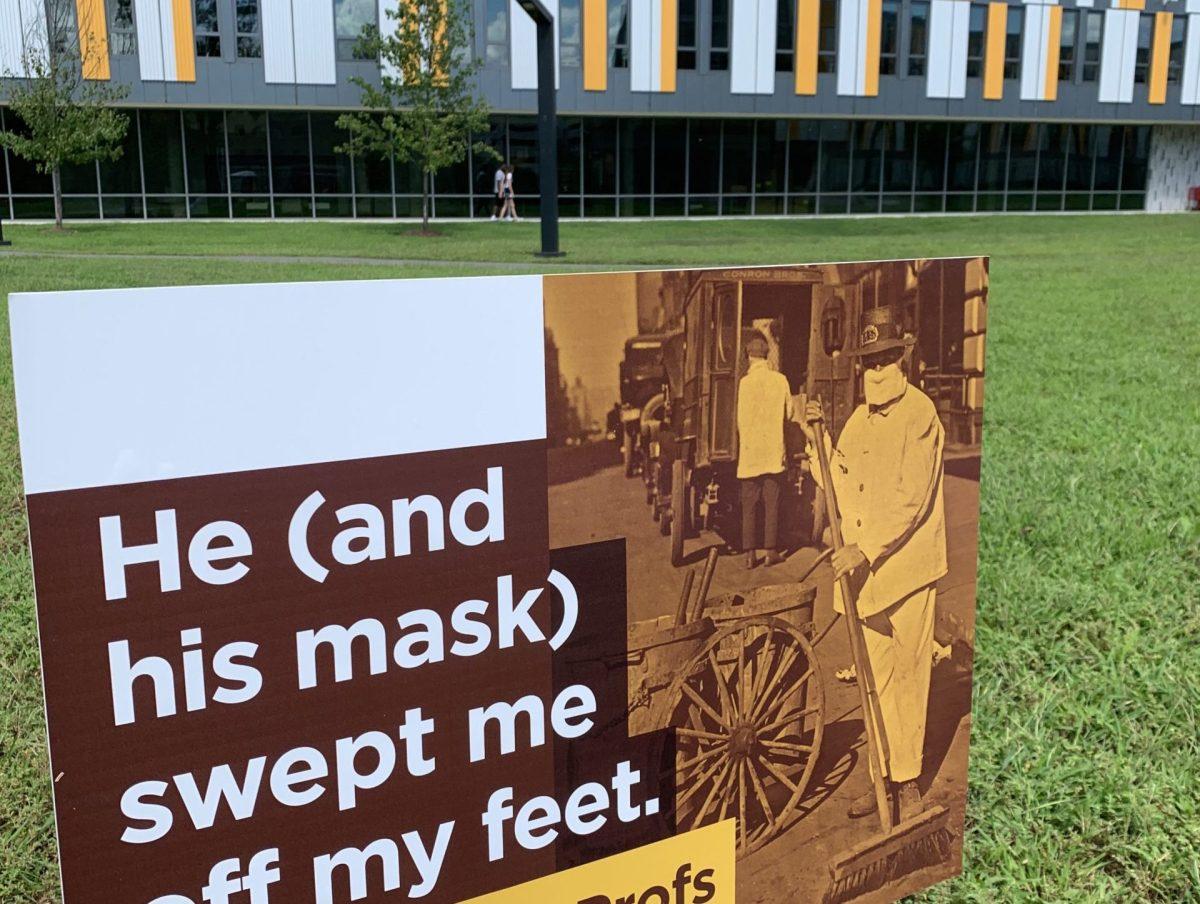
(68, 118)
(425, 107)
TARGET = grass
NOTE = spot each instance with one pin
(1085, 769)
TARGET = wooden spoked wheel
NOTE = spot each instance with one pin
(749, 716)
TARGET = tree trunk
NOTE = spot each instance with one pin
(56, 181)
(424, 203)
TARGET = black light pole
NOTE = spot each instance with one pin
(3, 241)
(547, 126)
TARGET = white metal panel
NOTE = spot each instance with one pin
(166, 22)
(765, 49)
(1033, 52)
(1118, 55)
(1190, 89)
(12, 41)
(312, 31)
(641, 45)
(33, 26)
(959, 42)
(387, 27)
(279, 49)
(148, 23)
(743, 47)
(852, 17)
(523, 45)
(949, 30)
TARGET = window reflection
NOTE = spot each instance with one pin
(209, 163)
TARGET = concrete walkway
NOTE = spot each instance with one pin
(535, 263)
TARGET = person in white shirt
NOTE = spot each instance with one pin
(764, 404)
(887, 471)
(498, 191)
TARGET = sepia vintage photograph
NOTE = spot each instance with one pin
(791, 456)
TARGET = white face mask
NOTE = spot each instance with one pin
(885, 384)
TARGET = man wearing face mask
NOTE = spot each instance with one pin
(887, 474)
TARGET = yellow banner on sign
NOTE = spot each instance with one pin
(692, 868)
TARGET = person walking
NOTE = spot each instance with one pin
(764, 405)
(498, 191)
(887, 471)
(509, 211)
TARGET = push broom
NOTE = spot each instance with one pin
(918, 842)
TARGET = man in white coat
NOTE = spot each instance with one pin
(764, 404)
(887, 471)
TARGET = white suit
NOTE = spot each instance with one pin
(887, 472)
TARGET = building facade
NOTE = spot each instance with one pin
(667, 107)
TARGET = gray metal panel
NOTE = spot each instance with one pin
(231, 82)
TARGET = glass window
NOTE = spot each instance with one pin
(961, 156)
(868, 138)
(570, 147)
(1093, 32)
(455, 178)
(495, 28)
(618, 32)
(718, 55)
(122, 35)
(331, 170)
(705, 156)
(918, 36)
(1022, 157)
(1012, 43)
(835, 157)
(1175, 62)
(993, 157)
(804, 148)
(25, 179)
(1080, 151)
(976, 39)
(785, 35)
(204, 140)
(635, 144)
(685, 57)
(569, 37)
(1133, 165)
(522, 154)
(1145, 39)
(898, 150)
(827, 39)
(770, 156)
(350, 18)
(249, 29)
(123, 176)
(599, 156)
(1066, 45)
(670, 155)
(61, 14)
(484, 182)
(373, 175)
(289, 153)
(931, 156)
(738, 162)
(889, 36)
(247, 136)
(208, 29)
(163, 169)
(1108, 157)
(1052, 158)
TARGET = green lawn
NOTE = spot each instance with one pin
(1085, 773)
